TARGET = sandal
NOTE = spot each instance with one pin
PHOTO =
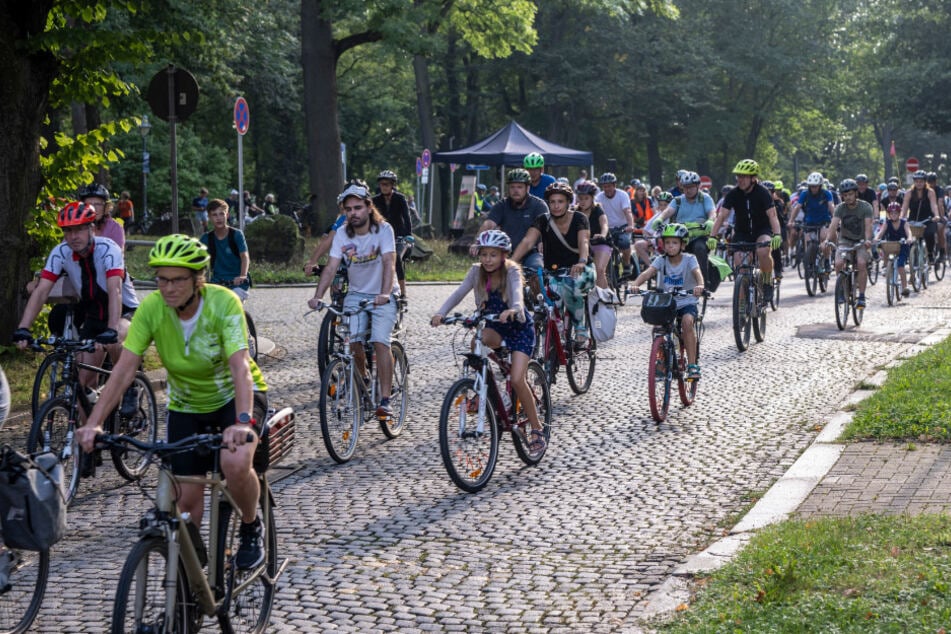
(537, 442)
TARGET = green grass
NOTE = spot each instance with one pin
(914, 403)
(866, 574)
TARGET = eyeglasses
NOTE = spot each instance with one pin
(171, 281)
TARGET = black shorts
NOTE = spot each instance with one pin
(88, 326)
(183, 424)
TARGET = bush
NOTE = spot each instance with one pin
(274, 239)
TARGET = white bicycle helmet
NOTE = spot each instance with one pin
(690, 178)
(494, 238)
(814, 179)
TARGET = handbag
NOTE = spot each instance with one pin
(32, 501)
(659, 309)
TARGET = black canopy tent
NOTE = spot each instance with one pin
(509, 145)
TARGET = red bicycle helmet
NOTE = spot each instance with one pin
(76, 214)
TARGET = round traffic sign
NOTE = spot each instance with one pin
(427, 158)
(911, 164)
(706, 182)
(242, 116)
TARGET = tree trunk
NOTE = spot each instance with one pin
(427, 130)
(319, 62)
(25, 79)
(654, 162)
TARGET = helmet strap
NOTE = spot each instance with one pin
(188, 301)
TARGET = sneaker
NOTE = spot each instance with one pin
(906, 292)
(250, 553)
(130, 402)
(693, 371)
(384, 410)
(861, 302)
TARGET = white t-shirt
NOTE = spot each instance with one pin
(614, 207)
(363, 256)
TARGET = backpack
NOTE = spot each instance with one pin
(602, 304)
(232, 243)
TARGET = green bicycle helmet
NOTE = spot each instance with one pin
(519, 175)
(675, 230)
(179, 250)
(665, 197)
(533, 161)
(747, 167)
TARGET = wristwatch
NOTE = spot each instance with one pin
(245, 419)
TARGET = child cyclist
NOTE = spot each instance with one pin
(673, 270)
(496, 282)
(893, 229)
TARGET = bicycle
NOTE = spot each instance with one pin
(555, 345)
(56, 421)
(668, 356)
(893, 286)
(816, 266)
(874, 257)
(749, 304)
(162, 586)
(918, 257)
(252, 330)
(617, 280)
(846, 297)
(477, 411)
(23, 573)
(46, 381)
(328, 341)
(348, 399)
(936, 256)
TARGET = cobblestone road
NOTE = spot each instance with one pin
(387, 543)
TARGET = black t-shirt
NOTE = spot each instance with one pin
(750, 209)
(556, 255)
(868, 195)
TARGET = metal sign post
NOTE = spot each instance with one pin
(242, 119)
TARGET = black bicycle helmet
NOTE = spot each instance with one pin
(93, 190)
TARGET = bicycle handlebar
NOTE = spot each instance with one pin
(361, 307)
(746, 246)
(208, 441)
(676, 292)
(62, 343)
(470, 321)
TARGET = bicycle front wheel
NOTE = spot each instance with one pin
(341, 411)
(939, 266)
(140, 597)
(914, 264)
(615, 272)
(521, 434)
(758, 308)
(399, 394)
(741, 312)
(659, 377)
(891, 289)
(874, 261)
(810, 270)
(581, 360)
(252, 337)
(842, 300)
(29, 572)
(252, 590)
(469, 446)
(143, 425)
(327, 341)
(774, 298)
(46, 384)
(686, 387)
(52, 431)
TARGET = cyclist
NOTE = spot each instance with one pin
(393, 207)
(564, 235)
(896, 228)
(783, 225)
(617, 207)
(496, 283)
(323, 246)
(213, 385)
(367, 244)
(514, 214)
(754, 216)
(816, 204)
(693, 209)
(227, 249)
(539, 181)
(942, 212)
(598, 222)
(200, 209)
(921, 205)
(674, 270)
(852, 225)
(891, 195)
(866, 193)
(95, 268)
(97, 197)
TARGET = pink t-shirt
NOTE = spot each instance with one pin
(112, 230)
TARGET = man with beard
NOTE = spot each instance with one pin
(514, 214)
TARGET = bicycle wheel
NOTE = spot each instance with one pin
(46, 384)
(140, 597)
(914, 265)
(615, 272)
(469, 447)
(939, 265)
(341, 411)
(758, 310)
(659, 376)
(798, 256)
(252, 590)
(824, 276)
(891, 290)
(741, 312)
(52, 431)
(842, 300)
(522, 429)
(550, 362)
(857, 313)
(774, 298)
(809, 270)
(29, 572)
(874, 262)
(399, 395)
(581, 360)
(143, 425)
(686, 388)
(327, 341)
(252, 337)
(924, 266)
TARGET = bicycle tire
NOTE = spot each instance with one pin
(551, 361)
(142, 425)
(925, 267)
(29, 573)
(341, 411)
(872, 266)
(581, 362)
(824, 277)
(857, 313)
(758, 309)
(252, 337)
(841, 301)
(48, 432)
(46, 383)
(891, 290)
(686, 388)
(399, 394)
(521, 428)
(774, 298)
(250, 610)
(940, 266)
(615, 272)
(915, 267)
(659, 377)
(469, 455)
(741, 312)
(327, 341)
(147, 562)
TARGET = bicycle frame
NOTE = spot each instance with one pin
(477, 365)
(555, 324)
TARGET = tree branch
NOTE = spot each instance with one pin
(352, 41)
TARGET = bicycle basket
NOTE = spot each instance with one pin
(32, 503)
(918, 231)
(276, 441)
(659, 309)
